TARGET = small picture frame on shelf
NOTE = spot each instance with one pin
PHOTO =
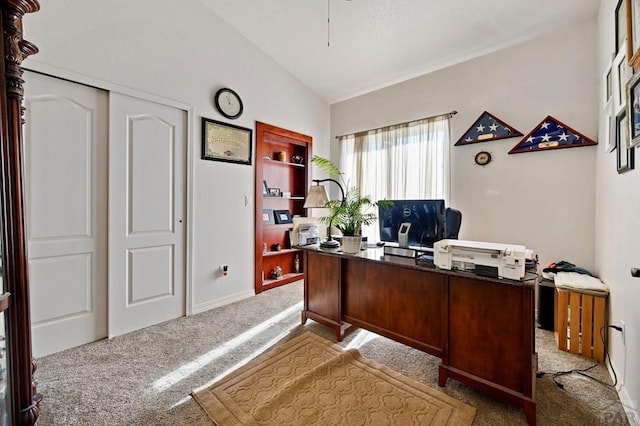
(265, 188)
(267, 217)
(282, 216)
(274, 192)
(289, 238)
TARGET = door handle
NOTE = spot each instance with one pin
(635, 272)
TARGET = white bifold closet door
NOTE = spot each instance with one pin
(65, 141)
(147, 205)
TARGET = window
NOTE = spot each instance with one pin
(406, 161)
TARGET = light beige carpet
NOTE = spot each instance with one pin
(311, 381)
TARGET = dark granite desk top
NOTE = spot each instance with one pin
(376, 254)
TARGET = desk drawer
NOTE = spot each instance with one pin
(402, 303)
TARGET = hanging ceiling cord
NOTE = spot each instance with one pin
(328, 23)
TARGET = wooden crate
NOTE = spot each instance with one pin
(579, 318)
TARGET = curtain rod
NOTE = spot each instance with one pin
(448, 115)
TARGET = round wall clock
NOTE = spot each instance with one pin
(228, 103)
(482, 158)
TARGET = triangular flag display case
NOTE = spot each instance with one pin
(551, 134)
(487, 128)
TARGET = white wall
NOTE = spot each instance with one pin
(544, 200)
(618, 235)
(183, 51)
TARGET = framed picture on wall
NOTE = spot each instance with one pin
(625, 154)
(633, 110)
(610, 128)
(621, 74)
(633, 32)
(607, 84)
(225, 142)
(621, 23)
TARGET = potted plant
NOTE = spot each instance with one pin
(350, 213)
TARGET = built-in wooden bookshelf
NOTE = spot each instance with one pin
(282, 162)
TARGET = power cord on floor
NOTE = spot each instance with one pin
(582, 372)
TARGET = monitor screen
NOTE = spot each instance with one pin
(426, 217)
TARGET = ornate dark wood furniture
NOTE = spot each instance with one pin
(481, 328)
(23, 401)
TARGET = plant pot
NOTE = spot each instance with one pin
(351, 244)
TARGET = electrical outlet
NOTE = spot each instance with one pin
(224, 270)
(623, 325)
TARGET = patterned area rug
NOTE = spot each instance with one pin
(311, 381)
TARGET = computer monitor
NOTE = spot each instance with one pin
(427, 218)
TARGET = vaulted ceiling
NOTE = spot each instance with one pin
(369, 44)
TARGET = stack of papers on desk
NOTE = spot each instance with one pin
(581, 283)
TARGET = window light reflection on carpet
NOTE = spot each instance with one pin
(168, 380)
(361, 338)
(246, 360)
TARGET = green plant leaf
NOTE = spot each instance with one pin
(356, 210)
(326, 165)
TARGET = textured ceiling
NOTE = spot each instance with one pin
(376, 43)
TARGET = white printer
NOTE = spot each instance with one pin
(489, 259)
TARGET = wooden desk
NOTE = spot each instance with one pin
(481, 328)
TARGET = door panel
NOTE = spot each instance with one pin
(74, 275)
(65, 162)
(146, 213)
(152, 153)
(151, 276)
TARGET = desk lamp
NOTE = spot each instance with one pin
(318, 198)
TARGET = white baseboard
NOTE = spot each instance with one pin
(203, 307)
(629, 405)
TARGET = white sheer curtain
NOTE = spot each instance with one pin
(408, 161)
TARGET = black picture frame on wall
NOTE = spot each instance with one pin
(621, 24)
(226, 142)
(633, 110)
(625, 154)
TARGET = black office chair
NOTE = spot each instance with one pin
(453, 220)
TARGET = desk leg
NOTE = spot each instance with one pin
(303, 315)
(530, 412)
(443, 375)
